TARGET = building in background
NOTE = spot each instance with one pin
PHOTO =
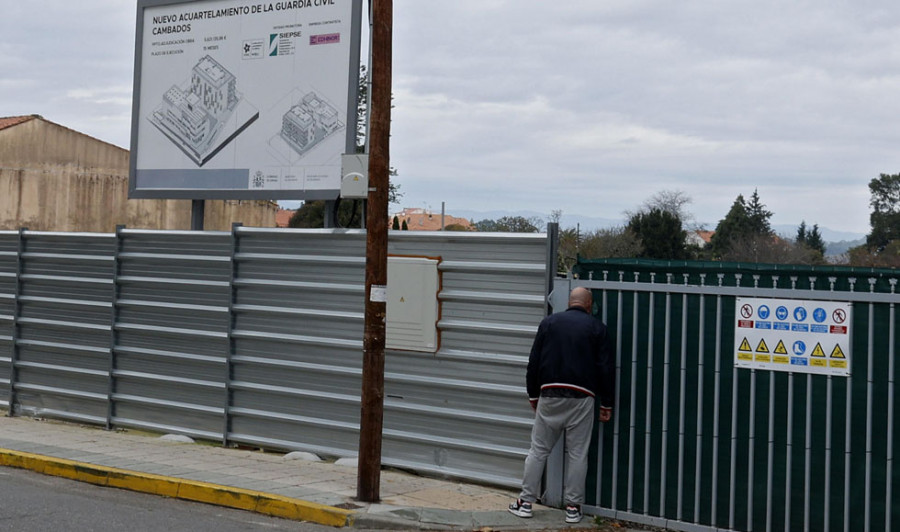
(55, 179)
(424, 220)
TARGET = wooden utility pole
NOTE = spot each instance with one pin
(372, 399)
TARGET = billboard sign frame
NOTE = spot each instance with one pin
(215, 117)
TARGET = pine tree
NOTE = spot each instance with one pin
(661, 234)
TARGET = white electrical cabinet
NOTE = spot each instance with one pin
(412, 304)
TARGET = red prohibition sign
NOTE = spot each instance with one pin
(746, 311)
(839, 315)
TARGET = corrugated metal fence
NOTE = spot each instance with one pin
(255, 337)
(697, 444)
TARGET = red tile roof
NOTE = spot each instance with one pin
(10, 121)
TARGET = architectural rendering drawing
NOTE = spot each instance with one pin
(309, 122)
(206, 114)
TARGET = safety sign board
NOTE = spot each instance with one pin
(793, 335)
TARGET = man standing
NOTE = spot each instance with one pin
(570, 365)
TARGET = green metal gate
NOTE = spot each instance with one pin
(699, 444)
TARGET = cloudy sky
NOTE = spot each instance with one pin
(584, 106)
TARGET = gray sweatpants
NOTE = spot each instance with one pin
(555, 415)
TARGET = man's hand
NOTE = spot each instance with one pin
(605, 414)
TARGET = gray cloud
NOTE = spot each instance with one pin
(586, 106)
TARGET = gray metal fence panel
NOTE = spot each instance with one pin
(255, 337)
(172, 317)
(697, 444)
(9, 246)
(463, 410)
(62, 324)
(297, 339)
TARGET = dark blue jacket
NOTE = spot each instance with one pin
(571, 353)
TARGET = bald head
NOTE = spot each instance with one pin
(581, 297)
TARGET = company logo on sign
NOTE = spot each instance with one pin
(330, 38)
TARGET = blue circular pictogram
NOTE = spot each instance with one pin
(799, 348)
(820, 315)
(800, 314)
(781, 313)
(763, 312)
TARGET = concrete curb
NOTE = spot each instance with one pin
(176, 488)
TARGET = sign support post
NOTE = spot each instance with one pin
(372, 398)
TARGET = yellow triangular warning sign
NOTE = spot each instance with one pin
(745, 346)
(817, 351)
(780, 349)
(837, 353)
(762, 347)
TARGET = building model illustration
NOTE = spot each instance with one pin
(201, 118)
(309, 122)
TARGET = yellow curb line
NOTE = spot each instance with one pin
(176, 488)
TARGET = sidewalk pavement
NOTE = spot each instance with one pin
(264, 482)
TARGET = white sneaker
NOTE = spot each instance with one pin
(573, 513)
(520, 508)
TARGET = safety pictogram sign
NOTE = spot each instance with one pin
(809, 336)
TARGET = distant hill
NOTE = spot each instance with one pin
(833, 249)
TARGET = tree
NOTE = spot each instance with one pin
(811, 239)
(661, 234)
(674, 202)
(747, 226)
(885, 217)
(311, 215)
(759, 216)
(395, 224)
(771, 249)
(404, 226)
(615, 242)
(888, 257)
(456, 227)
(510, 224)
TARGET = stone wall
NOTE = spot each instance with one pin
(56, 179)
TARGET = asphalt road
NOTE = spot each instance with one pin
(30, 501)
